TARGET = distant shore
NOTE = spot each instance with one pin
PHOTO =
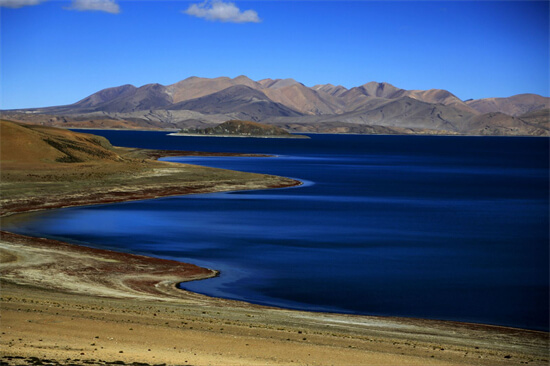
(79, 305)
(173, 132)
(292, 136)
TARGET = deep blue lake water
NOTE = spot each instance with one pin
(453, 228)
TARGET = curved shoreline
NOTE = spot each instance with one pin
(146, 193)
(101, 274)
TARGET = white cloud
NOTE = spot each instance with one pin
(19, 3)
(217, 10)
(108, 6)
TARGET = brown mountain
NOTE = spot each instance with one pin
(304, 100)
(105, 96)
(356, 97)
(151, 96)
(203, 102)
(194, 87)
(239, 101)
(122, 99)
(381, 90)
(439, 96)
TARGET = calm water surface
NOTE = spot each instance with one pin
(451, 228)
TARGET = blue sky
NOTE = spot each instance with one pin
(58, 52)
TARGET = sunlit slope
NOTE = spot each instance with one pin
(27, 144)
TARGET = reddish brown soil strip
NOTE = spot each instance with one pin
(157, 154)
(52, 202)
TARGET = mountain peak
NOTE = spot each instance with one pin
(321, 86)
(242, 78)
(106, 95)
(331, 89)
(378, 83)
(381, 90)
(358, 95)
(279, 83)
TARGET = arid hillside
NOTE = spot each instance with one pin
(516, 105)
(34, 144)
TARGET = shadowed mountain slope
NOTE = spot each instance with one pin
(122, 99)
(195, 87)
(239, 101)
(105, 96)
(151, 96)
(404, 112)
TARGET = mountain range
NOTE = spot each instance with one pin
(370, 108)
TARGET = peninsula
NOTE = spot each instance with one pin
(236, 128)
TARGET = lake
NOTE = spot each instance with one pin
(452, 228)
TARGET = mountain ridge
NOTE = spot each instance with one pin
(197, 101)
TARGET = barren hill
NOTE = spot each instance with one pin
(240, 101)
(25, 144)
(195, 87)
(496, 123)
(513, 106)
(538, 118)
(304, 100)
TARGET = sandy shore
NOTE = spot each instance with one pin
(67, 304)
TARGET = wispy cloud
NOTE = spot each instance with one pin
(19, 3)
(108, 6)
(217, 10)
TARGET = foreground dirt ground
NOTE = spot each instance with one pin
(72, 305)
